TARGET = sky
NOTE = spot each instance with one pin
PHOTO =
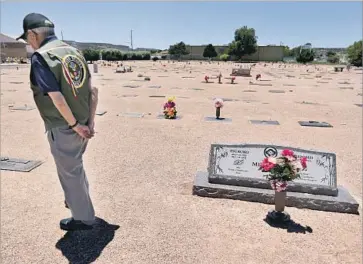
(161, 24)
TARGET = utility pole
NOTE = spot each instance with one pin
(132, 46)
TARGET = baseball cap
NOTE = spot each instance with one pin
(34, 20)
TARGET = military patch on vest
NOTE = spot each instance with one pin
(76, 70)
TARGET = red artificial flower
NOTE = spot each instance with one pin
(303, 161)
(287, 153)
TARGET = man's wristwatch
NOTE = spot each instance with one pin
(73, 126)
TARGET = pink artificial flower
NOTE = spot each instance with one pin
(278, 186)
(266, 165)
(303, 162)
(287, 153)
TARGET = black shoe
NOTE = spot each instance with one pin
(69, 224)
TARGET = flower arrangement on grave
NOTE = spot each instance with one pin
(220, 78)
(283, 169)
(170, 109)
(232, 80)
(258, 76)
(218, 104)
(206, 78)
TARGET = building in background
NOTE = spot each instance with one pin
(11, 48)
(263, 53)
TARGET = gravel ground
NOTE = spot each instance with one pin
(141, 170)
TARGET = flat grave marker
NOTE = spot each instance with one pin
(133, 114)
(23, 165)
(131, 86)
(264, 122)
(154, 86)
(249, 91)
(196, 89)
(346, 88)
(129, 95)
(314, 124)
(276, 91)
(16, 82)
(285, 84)
(101, 112)
(21, 108)
(157, 96)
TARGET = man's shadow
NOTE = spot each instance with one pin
(290, 226)
(84, 247)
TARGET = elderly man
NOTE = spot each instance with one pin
(61, 85)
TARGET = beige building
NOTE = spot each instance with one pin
(11, 48)
(264, 53)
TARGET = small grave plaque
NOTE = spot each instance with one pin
(101, 112)
(197, 89)
(322, 82)
(163, 76)
(136, 115)
(155, 86)
(176, 88)
(21, 108)
(314, 124)
(16, 82)
(276, 91)
(289, 84)
(249, 91)
(346, 88)
(129, 95)
(214, 119)
(18, 164)
(261, 84)
(157, 96)
(131, 86)
(226, 99)
(239, 164)
(264, 122)
(188, 77)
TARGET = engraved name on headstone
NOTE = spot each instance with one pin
(241, 163)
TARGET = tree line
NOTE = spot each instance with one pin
(245, 43)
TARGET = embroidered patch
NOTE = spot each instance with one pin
(76, 70)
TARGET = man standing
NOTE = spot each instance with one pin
(62, 89)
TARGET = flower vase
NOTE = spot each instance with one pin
(218, 112)
(280, 201)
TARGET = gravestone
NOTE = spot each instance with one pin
(197, 89)
(129, 95)
(131, 86)
(233, 173)
(101, 112)
(136, 115)
(21, 108)
(264, 122)
(314, 124)
(157, 96)
(249, 91)
(276, 91)
(346, 88)
(23, 165)
(155, 86)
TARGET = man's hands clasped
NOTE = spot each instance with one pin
(86, 132)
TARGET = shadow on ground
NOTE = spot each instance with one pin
(290, 226)
(84, 247)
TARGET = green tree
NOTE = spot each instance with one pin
(244, 43)
(224, 57)
(332, 57)
(305, 55)
(178, 50)
(91, 55)
(355, 53)
(209, 51)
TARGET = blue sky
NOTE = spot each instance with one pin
(160, 24)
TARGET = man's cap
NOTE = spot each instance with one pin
(34, 20)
